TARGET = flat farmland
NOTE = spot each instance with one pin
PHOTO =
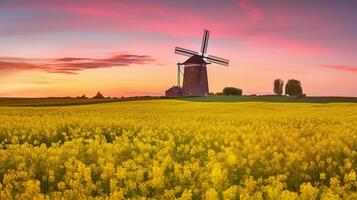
(179, 148)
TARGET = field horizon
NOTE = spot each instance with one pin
(68, 101)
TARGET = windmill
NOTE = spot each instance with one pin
(195, 81)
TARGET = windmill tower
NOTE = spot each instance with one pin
(195, 81)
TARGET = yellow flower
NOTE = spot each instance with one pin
(322, 176)
(211, 194)
(230, 193)
(308, 192)
(350, 177)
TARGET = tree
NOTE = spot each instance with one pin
(293, 88)
(278, 86)
(232, 91)
(98, 96)
(82, 97)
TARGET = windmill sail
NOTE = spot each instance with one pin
(217, 60)
(204, 42)
(185, 52)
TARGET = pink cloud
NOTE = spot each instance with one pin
(71, 65)
(70, 59)
(341, 68)
(238, 22)
(129, 16)
(253, 11)
(301, 47)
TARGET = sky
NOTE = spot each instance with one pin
(126, 47)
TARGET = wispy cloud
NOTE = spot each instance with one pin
(253, 11)
(71, 65)
(244, 20)
(341, 68)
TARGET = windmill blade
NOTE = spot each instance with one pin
(217, 60)
(178, 75)
(205, 42)
(185, 52)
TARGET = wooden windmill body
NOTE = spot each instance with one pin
(195, 81)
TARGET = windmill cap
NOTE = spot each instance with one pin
(195, 60)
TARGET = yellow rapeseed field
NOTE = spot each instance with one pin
(167, 149)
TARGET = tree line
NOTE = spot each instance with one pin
(292, 88)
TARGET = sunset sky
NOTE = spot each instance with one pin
(126, 48)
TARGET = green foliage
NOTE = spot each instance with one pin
(278, 86)
(293, 88)
(232, 91)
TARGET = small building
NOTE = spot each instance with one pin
(174, 91)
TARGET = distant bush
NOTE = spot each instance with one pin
(82, 97)
(293, 88)
(232, 91)
(278, 86)
(99, 96)
(302, 96)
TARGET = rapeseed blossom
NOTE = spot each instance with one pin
(166, 149)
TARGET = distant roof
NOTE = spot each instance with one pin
(173, 88)
(195, 60)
